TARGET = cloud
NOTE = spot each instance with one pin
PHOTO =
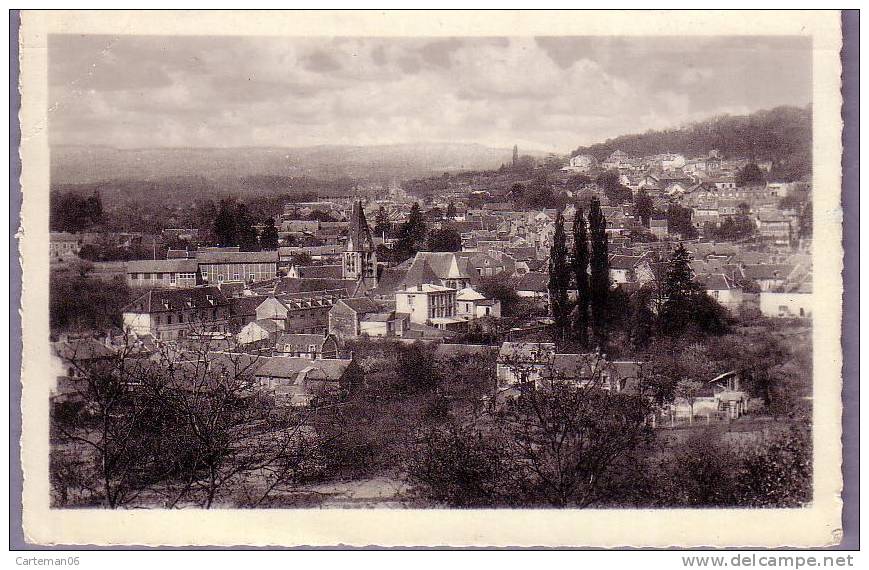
(545, 93)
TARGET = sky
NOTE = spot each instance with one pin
(546, 93)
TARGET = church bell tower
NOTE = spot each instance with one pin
(360, 259)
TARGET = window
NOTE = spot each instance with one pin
(169, 320)
(172, 278)
(134, 275)
(160, 276)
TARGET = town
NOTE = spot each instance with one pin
(383, 341)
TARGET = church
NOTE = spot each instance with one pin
(360, 259)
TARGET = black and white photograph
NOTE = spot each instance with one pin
(509, 272)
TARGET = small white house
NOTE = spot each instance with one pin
(472, 304)
(786, 305)
(258, 331)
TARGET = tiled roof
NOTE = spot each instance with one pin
(245, 306)
(290, 286)
(625, 261)
(320, 271)
(163, 266)
(82, 349)
(533, 281)
(177, 299)
(206, 257)
(767, 271)
(715, 282)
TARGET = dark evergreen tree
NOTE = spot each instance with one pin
(225, 229)
(599, 281)
(444, 239)
(642, 318)
(644, 207)
(451, 210)
(751, 175)
(580, 276)
(381, 222)
(245, 232)
(411, 235)
(679, 292)
(269, 239)
(559, 281)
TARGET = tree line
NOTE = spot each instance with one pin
(675, 305)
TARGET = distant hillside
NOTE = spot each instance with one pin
(783, 135)
(85, 165)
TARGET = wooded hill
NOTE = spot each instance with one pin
(783, 135)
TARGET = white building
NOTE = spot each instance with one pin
(472, 304)
(581, 163)
(786, 305)
(426, 302)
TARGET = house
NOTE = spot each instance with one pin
(73, 359)
(303, 313)
(287, 254)
(170, 314)
(768, 276)
(302, 382)
(426, 302)
(791, 304)
(63, 245)
(722, 394)
(533, 285)
(523, 363)
(487, 265)
(243, 309)
(677, 188)
(659, 228)
(521, 366)
(179, 272)
(774, 226)
(615, 160)
(446, 269)
(630, 269)
(311, 346)
(472, 304)
(350, 318)
(580, 163)
(722, 289)
(259, 331)
(227, 265)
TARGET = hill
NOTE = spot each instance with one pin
(92, 164)
(782, 134)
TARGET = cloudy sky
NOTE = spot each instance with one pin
(549, 94)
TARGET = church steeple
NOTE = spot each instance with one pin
(360, 260)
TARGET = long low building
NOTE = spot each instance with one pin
(155, 273)
(211, 266)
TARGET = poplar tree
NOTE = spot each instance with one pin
(599, 281)
(559, 280)
(580, 275)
